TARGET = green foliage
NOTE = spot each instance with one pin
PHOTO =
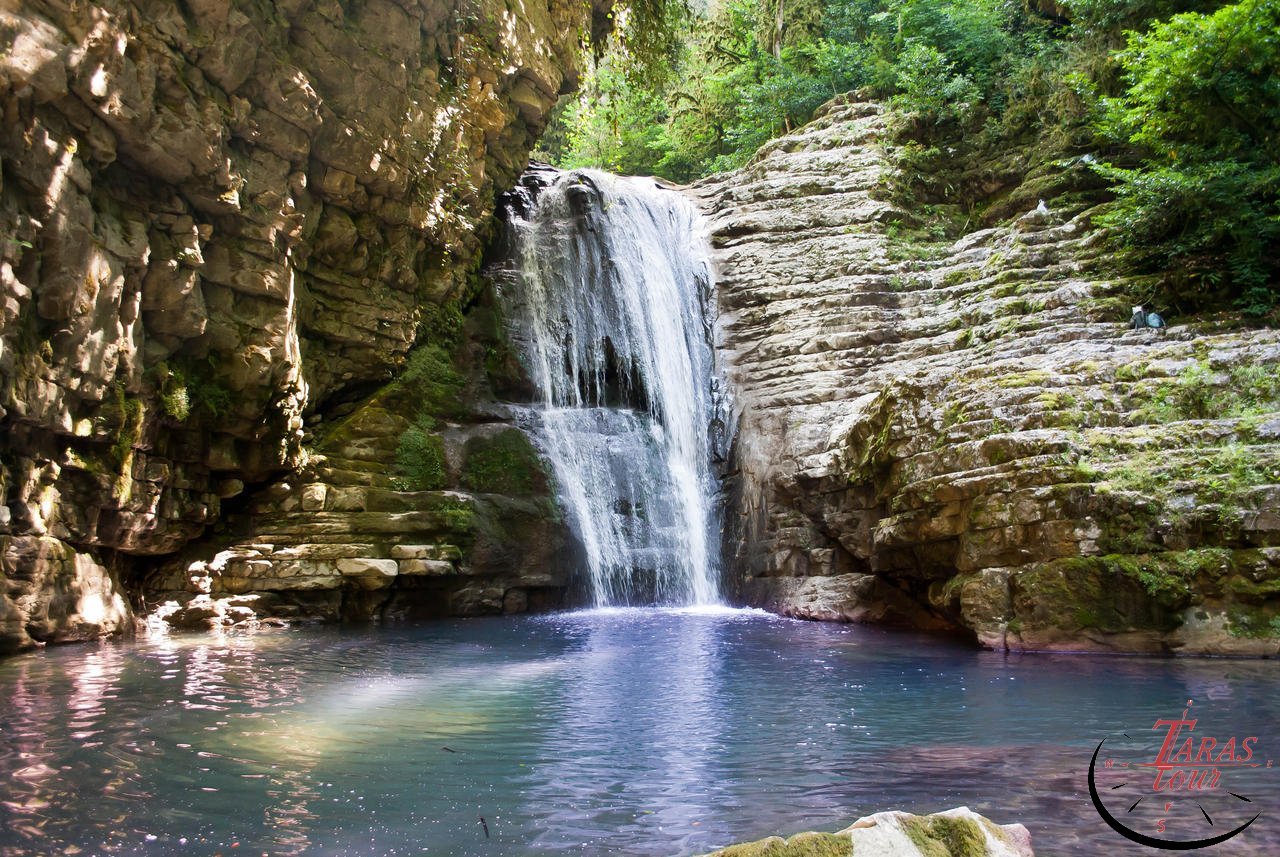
(419, 458)
(189, 386)
(1173, 103)
(748, 71)
(126, 413)
(1249, 390)
(454, 513)
(442, 324)
(1255, 622)
(175, 400)
(432, 381)
(1202, 107)
(503, 464)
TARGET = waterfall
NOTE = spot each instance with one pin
(605, 289)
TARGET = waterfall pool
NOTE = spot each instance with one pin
(628, 731)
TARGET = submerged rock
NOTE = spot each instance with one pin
(957, 832)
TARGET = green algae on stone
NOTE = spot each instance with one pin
(800, 845)
(431, 379)
(420, 458)
(941, 836)
(505, 463)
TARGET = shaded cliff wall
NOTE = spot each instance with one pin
(966, 435)
(217, 216)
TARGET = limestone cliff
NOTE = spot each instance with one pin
(967, 435)
(219, 217)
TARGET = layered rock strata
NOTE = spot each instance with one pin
(967, 435)
(425, 500)
(218, 217)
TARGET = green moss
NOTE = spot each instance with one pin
(431, 381)
(800, 845)
(1091, 592)
(123, 416)
(1218, 475)
(955, 414)
(442, 324)
(869, 441)
(938, 836)
(960, 276)
(1163, 580)
(1032, 378)
(1253, 622)
(1251, 390)
(505, 463)
(455, 514)
(1132, 371)
(999, 452)
(419, 461)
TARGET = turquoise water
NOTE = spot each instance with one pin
(624, 732)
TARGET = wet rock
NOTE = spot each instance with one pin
(217, 216)
(957, 832)
(966, 432)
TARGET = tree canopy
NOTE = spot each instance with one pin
(1174, 103)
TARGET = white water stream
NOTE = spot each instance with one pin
(607, 299)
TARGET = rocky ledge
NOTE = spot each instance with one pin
(955, 833)
(966, 435)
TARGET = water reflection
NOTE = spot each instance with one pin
(631, 741)
(625, 731)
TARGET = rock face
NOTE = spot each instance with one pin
(967, 435)
(957, 832)
(218, 217)
(424, 501)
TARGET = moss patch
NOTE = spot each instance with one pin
(433, 383)
(419, 462)
(800, 845)
(455, 514)
(505, 463)
(1199, 393)
(1102, 593)
(938, 836)
(1253, 622)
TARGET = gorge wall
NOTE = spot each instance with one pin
(225, 223)
(248, 371)
(967, 435)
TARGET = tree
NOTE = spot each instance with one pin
(1202, 105)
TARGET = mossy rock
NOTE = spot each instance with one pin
(455, 515)
(431, 382)
(504, 463)
(420, 462)
(1108, 594)
(1254, 622)
(940, 836)
(800, 845)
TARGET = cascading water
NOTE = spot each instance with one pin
(606, 290)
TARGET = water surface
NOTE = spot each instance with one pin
(608, 732)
